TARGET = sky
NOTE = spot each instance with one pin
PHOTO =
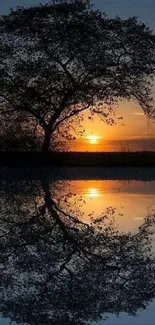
(144, 9)
(135, 130)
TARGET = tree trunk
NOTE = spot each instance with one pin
(46, 143)
(49, 129)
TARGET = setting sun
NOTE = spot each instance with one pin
(93, 139)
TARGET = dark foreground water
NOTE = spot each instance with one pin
(77, 246)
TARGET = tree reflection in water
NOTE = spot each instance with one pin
(56, 269)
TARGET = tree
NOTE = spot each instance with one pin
(62, 58)
(68, 271)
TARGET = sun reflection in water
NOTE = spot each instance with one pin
(93, 192)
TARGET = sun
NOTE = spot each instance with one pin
(93, 139)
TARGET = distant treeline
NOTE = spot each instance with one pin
(73, 159)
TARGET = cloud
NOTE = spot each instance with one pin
(138, 113)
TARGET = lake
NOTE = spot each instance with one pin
(77, 246)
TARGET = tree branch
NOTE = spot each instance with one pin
(62, 65)
(24, 109)
(69, 116)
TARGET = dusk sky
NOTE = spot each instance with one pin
(135, 128)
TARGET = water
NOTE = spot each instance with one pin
(77, 246)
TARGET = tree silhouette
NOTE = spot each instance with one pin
(55, 269)
(62, 58)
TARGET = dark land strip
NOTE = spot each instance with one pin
(78, 159)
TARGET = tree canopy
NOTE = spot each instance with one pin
(64, 57)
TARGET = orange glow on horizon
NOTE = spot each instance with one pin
(131, 133)
(93, 139)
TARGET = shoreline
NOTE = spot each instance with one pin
(78, 159)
